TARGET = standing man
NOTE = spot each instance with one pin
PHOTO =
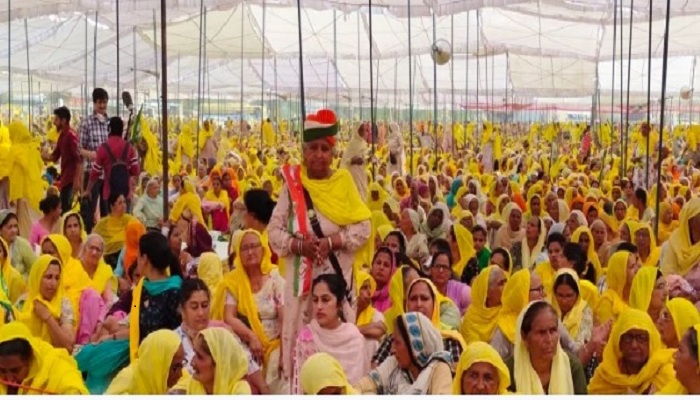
(67, 151)
(117, 163)
(93, 133)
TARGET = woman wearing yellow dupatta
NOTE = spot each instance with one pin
(377, 197)
(253, 292)
(527, 252)
(667, 225)
(583, 236)
(634, 361)
(683, 253)
(401, 191)
(11, 281)
(686, 363)
(100, 275)
(220, 364)
(74, 230)
(112, 228)
(558, 372)
(644, 239)
(75, 279)
(481, 371)
(510, 232)
(677, 316)
(157, 368)
(188, 205)
(571, 307)
(622, 267)
(462, 246)
(46, 311)
(649, 292)
(217, 204)
(480, 320)
(322, 374)
(42, 368)
(370, 322)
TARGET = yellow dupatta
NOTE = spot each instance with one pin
(439, 299)
(658, 370)
(238, 284)
(36, 326)
(480, 321)
(591, 254)
(51, 370)
(516, 295)
(527, 380)
(642, 288)
(465, 244)
(529, 257)
(73, 275)
(686, 253)
(481, 352)
(221, 198)
(365, 317)
(572, 319)
(11, 281)
(148, 372)
(322, 370)
(654, 251)
(675, 387)
(336, 198)
(376, 205)
(684, 314)
(230, 362)
(611, 305)
(187, 203)
(397, 295)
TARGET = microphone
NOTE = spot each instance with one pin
(127, 100)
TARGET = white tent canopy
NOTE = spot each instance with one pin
(522, 49)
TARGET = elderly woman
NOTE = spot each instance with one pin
(45, 309)
(418, 365)
(539, 364)
(320, 222)
(622, 267)
(157, 368)
(438, 222)
(481, 371)
(633, 360)
(682, 253)
(250, 300)
(102, 278)
(112, 228)
(149, 207)
(480, 320)
(677, 316)
(510, 232)
(686, 363)
(441, 276)
(22, 255)
(32, 366)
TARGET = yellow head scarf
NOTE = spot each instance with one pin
(686, 253)
(376, 205)
(210, 270)
(675, 387)
(51, 370)
(654, 251)
(516, 295)
(526, 379)
(665, 230)
(608, 379)
(480, 352)
(465, 243)
(73, 275)
(322, 370)
(684, 314)
(591, 254)
(231, 364)
(187, 204)
(397, 295)
(12, 284)
(572, 319)
(366, 316)
(148, 373)
(238, 284)
(480, 321)
(337, 198)
(611, 304)
(642, 288)
(27, 316)
(435, 318)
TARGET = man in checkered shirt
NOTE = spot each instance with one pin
(93, 133)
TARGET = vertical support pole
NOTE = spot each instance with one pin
(164, 118)
(119, 112)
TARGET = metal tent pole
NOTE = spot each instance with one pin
(202, 10)
(651, 12)
(612, 101)
(118, 64)
(302, 97)
(435, 106)
(625, 146)
(164, 85)
(160, 124)
(371, 85)
(262, 77)
(410, 89)
(664, 77)
(9, 61)
(29, 75)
